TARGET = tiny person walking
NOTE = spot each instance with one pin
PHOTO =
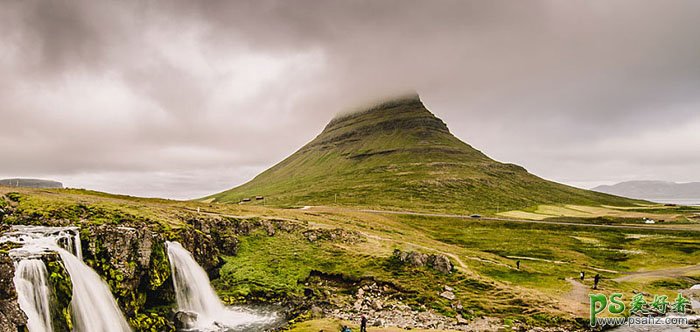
(363, 324)
(583, 275)
(517, 264)
(596, 279)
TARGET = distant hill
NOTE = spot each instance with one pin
(654, 190)
(398, 155)
(30, 183)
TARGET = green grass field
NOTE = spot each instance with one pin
(484, 253)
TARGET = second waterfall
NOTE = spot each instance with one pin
(194, 294)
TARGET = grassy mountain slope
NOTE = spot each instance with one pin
(399, 155)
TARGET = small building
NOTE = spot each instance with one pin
(258, 198)
(247, 199)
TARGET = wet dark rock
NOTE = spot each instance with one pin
(12, 318)
(185, 320)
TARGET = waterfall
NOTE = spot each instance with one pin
(194, 293)
(33, 293)
(78, 246)
(93, 306)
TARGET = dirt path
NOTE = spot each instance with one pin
(576, 301)
(669, 273)
(536, 259)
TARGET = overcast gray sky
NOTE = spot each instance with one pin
(181, 99)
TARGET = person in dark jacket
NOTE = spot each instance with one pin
(596, 280)
(583, 275)
(363, 324)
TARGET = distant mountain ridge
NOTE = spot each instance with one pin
(653, 190)
(30, 183)
(397, 154)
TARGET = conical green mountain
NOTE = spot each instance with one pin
(398, 155)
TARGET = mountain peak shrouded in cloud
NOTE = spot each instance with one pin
(175, 96)
(378, 102)
(397, 154)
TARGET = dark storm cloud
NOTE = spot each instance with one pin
(185, 98)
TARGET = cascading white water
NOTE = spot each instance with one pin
(94, 308)
(195, 294)
(78, 246)
(33, 293)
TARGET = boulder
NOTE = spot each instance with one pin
(417, 259)
(440, 263)
(336, 235)
(185, 320)
(316, 312)
(358, 305)
(448, 295)
(269, 228)
(461, 320)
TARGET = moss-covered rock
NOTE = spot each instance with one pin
(13, 196)
(61, 289)
(159, 266)
(122, 256)
(134, 263)
(151, 322)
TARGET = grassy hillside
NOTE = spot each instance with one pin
(399, 155)
(327, 272)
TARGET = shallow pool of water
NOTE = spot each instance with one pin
(263, 318)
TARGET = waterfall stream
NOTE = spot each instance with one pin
(33, 293)
(195, 294)
(93, 306)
